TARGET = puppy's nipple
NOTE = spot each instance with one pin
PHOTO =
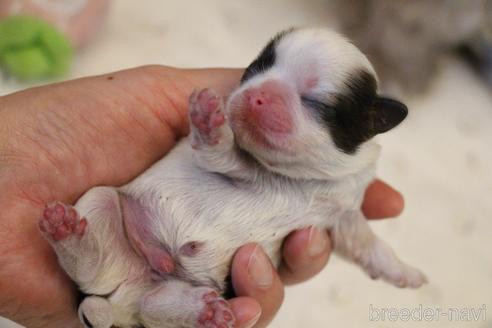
(167, 265)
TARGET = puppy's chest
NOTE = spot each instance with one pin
(186, 201)
(213, 200)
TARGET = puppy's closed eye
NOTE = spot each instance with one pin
(321, 108)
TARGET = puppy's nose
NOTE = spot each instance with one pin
(257, 99)
(269, 106)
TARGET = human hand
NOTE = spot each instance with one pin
(58, 141)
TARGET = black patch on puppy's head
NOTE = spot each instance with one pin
(358, 113)
(266, 58)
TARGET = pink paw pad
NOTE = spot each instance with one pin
(60, 221)
(206, 114)
(216, 313)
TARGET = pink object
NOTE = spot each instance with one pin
(79, 19)
(142, 238)
(207, 115)
(267, 107)
(61, 221)
(265, 113)
(216, 313)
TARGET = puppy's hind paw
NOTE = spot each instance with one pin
(216, 313)
(411, 278)
(60, 221)
(403, 276)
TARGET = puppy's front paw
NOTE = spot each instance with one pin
(60, 221)
(216, 312)
(206, 116)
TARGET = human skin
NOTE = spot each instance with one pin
(60, 140)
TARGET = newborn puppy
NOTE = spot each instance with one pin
(291, 148)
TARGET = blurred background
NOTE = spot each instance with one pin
(436, 55)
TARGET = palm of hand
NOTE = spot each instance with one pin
(128, 120)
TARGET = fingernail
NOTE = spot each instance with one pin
(317, 242)
(260, 269)
(253, 321)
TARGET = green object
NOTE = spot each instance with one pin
(32, 49)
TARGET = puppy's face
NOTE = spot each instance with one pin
(308, 105)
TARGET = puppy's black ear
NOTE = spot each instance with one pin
(386, 113)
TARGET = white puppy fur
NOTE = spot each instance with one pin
(155, 251)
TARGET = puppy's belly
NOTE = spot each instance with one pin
(183, 204)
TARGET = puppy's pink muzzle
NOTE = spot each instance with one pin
(267, 107)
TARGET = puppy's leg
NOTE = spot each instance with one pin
(178, 304)
(89, 240)
(355, 240)
(212, 138)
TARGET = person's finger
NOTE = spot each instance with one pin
(178, 84)
(305, 253)
(246, 310)
(173, 86)
(382, 201)
(253, 275)
(222, 80)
